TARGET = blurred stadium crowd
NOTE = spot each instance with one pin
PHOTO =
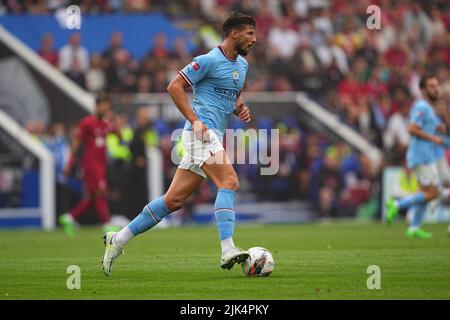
(369, 78)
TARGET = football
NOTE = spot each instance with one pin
(260, 263)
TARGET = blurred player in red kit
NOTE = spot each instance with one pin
(91, 135)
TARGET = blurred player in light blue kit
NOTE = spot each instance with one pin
(217, 79)
(441, 110)
(421, 157)
(441, 159)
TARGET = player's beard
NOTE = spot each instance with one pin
(433, 97)
(241, 51)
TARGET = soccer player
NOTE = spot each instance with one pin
(217, 79)
(91, 134)
(421, 158)
(442, 165)
(441, 160)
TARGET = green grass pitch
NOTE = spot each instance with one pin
(312, 261)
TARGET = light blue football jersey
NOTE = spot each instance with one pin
(217, 81)
(421, 151)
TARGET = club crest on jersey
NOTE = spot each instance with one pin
(235, 74)
(195, 65)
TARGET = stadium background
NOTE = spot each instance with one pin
(367, 78)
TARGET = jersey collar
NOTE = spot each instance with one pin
(225, 54)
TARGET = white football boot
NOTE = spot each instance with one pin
(232, 256)
(112, 251)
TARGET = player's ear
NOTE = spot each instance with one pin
(235, 33)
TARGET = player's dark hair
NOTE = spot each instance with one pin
(102, 97)
(238, 21)
(424, 79)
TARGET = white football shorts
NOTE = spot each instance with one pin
(427, 174)
(196, 152)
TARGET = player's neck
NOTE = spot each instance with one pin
(229, 49)
(431, 103)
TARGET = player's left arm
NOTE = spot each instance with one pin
(74, 150)
(241, 110)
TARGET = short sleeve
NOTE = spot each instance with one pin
(418, 115)
(197, 70)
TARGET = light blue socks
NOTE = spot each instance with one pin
(419, 211)
(150, 216)
(408, 201)
(224, 213)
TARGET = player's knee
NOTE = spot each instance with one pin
(231, 183)
(435, 193)
(431, 193)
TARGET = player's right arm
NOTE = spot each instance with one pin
(415, 130)
(75, 147)
(176, 90)
(417, 118)
(191, 74)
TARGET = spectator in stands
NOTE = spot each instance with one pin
(324, 21)
(159, 47)
(330, 183)
(56, 141)
(349, 86)
(160, 82)
(115, 43)
(74, 59)
(47, 52)
(396, 136)
(172, 69)
(265, 19)
(121, 78)
(416, 16)
(144, 136)
(119, 157)
(398, 54)
(37, 129)
(329, 53)
(180, 51)
(306, 72)
(53, 5)
(136, 5)
(283, 40)
(443, 75)
(98, 6)
(357, 175)
(95, 77)
(286, 180)
(437, 25)
(438, 53)
(144, 84)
